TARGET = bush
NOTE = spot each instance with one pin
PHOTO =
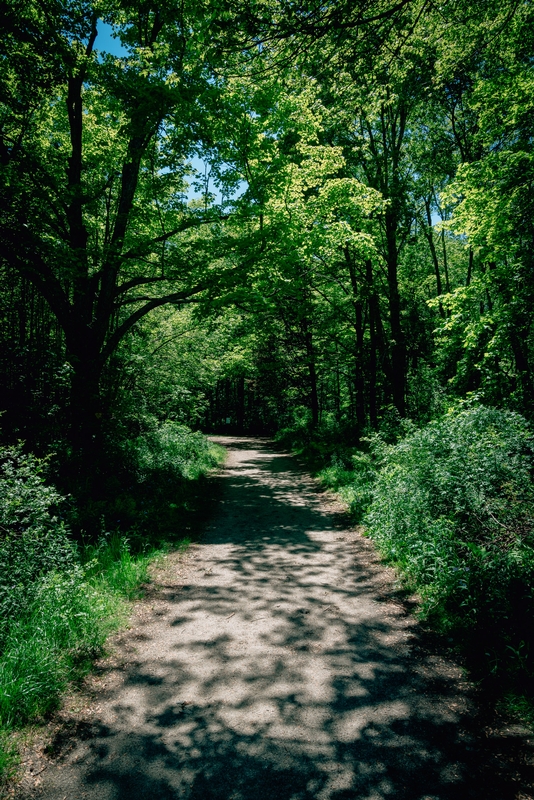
(33, 541)
(58, 601)
(172, 452)
(327, 443)
(152, 483)
(175, 450)
(352, 478)
(62, 628)
(453, 507)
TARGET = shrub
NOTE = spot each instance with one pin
(33, 541)
(64, 627)
(453, 506)
(58, 602)
(61, 629)
(352, 477)
(172, 451)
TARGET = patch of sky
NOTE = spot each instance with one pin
(108, 40)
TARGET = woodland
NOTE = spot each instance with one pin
(302, 220)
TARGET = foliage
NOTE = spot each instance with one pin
(453, 507)
(34, 542)
(257, 220)
(59, 601)
(169, 367)
(352, 478)
(64, 626)
(172, 452)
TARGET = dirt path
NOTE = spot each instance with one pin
(274, 664)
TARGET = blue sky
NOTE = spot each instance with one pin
(105, 41)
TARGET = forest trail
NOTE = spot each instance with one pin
(272, 663)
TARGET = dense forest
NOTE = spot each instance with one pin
(312, 221)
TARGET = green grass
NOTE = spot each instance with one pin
(352, 478)
(519, 707)
(58, 601)
(57, 639)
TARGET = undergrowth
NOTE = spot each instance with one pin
(154, 482)
(62, 628)
(451, 506)
(59, 600)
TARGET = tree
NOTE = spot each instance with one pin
(94, 163)
(491, 202)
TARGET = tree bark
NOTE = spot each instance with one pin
(373, 328)
(429, 235)
(398, 345)
(241, 403)
(359, 380)
(312, 372)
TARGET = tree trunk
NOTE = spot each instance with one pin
(310, 357)
(359, 381)
(445, 263)
(241, 403)
(86, 412)
(469, 267)
(373, 327)
(520, 351)
(429, 234)
(398, 345)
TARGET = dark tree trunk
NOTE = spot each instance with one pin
(86, 412)
(241, 403)
(310, 357)
(469, 268)
(430, 239)
(398, 345)
(520, 351)
(359, 381)
(373, 327)
(445, 263)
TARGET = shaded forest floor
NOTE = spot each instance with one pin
(276, 660)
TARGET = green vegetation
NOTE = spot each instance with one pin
(451, 506)
(59, 601)
(312, 221)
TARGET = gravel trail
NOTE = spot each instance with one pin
(272, 663)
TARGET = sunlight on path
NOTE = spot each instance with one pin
(276, 669)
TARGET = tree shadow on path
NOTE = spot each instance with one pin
(282, 669)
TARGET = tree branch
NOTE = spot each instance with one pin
(32, 266)
(177, 297)
(131, 284)
(191, 223)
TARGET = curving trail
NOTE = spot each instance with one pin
(272, 664)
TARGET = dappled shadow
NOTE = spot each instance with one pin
(280, 671)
